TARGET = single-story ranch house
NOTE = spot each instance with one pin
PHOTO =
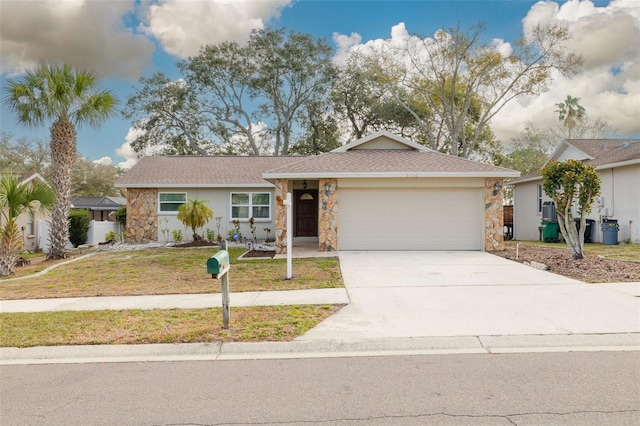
(381, 192)
(618, 165)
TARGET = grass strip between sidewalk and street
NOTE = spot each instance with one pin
(247, 324)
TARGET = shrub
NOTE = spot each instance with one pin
(177, 235)
(211, 235)
(121, 216)
(110, 237)
(78, 227)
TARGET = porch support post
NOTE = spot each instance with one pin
(281, 189)
(328, 215)
(493, 215)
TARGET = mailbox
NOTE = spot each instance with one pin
(218, 263)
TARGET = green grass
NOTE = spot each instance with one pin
(166, 271)
(264, 323)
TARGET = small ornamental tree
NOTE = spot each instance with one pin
(195, 214)
(567, 183)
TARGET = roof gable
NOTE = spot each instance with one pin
(27, 177)
(600, 153)
(98, 203)
(597, 152)
(382, 140)
(385, 155)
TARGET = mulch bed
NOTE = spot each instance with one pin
(559, 260)
(197, 244)
(249, 254)
(259, 253)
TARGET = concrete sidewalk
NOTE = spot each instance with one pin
(325, 296)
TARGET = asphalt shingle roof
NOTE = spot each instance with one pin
(607, 151)
(200, 171)
(386, 161)
(602, 151)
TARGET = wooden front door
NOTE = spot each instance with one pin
(306, 212)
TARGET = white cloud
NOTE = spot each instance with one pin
(344, 43)
(182, 26)
(104, 161)
(82, 33)
(609, 82)
(125, 150)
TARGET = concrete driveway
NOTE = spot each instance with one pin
(422, 294)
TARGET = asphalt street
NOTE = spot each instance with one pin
(571, 388)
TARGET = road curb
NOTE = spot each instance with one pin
(296, 349)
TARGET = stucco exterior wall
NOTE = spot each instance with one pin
(620, 200)
(149, 224)
(526, 218)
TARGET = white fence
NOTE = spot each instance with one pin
(97, 231)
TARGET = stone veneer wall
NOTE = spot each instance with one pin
(328, 215)
(493, 215)
(142, 215)
(281, 190)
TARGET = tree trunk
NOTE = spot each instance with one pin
(63, 156)
(10, 245)
(571, 236)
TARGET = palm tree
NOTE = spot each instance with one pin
(15, 199)
(570, 112)
(195, 214)
(68, 98)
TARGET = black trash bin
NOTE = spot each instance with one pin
(610, 232)
(588, 228)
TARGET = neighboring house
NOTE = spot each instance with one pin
(99, 208)
(381, 192)
(618, 165)
(31, 225)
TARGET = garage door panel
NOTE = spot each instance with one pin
(410, 219)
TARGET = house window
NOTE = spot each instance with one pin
(251, 204)
(30, 222)
(539, 198)
(170, 201)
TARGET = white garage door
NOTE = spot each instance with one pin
(410, 219)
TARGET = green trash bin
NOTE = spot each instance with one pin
(549, 232)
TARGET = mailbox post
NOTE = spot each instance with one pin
(218, 266)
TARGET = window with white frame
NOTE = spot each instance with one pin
(170, 201)
(251, 204)
(539, 198)
(31, 220)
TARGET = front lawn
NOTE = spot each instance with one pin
(165, 271)
(260, 323)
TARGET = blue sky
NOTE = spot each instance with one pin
(126, 39)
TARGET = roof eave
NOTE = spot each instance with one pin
(372, 175)
(618, 164)
(194, 185)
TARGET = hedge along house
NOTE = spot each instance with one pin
(381, 192)
(384, 192)
(232, 185)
